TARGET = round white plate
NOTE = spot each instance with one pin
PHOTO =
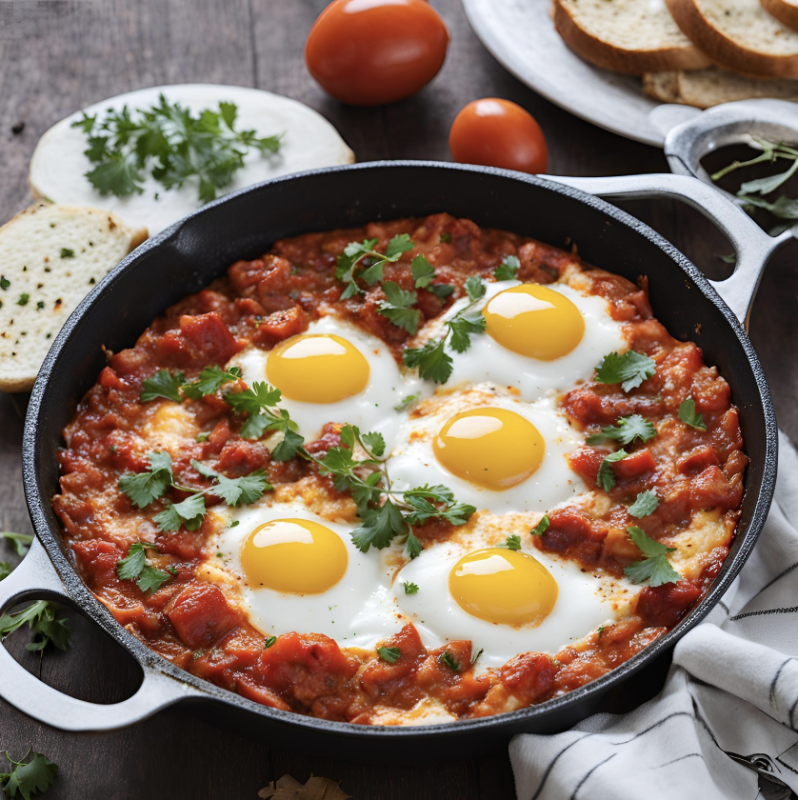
(521, 36)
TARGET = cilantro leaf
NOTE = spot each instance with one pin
(432, 361)
(211, 379)
(629, 369)
(411, 588)
(513, 542)
(162, 384)
(626, 431)
(389, 654)
(379, 527)
(508, 269)
(374, 443)
(144, 487)
(399, 244)
(29, 777)
(151, 579)
(40, 617)
(190, 512)
(541, 527)
(606, 477)
(413, 547)
(655, 568)
(423, 272)
(20, 541)
(448, 660)
(269, 642)
(251, 401)
(646, 503)
(130, 567)
(688, 415)
(290, 446)
(419, 500)
(236, 491)
(474, 288)
(407, 401)
(462, 328)
(398, 309)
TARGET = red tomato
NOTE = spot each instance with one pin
(370, 52)
(498, 133)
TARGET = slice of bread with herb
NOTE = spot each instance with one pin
(50, 257)
(704, 88)
(784, 10)
(739, 35)
(628, 36)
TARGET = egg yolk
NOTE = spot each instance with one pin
(491, 447)
(317, 368)
(534, 321)
(295, 556)
(506, 587)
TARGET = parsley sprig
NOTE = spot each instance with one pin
(655, 567)
(629, 369)
(170, 384)
(432, 360)
(361, 261)
(32, 774)
(171, 144)
(512, 542)
(134, 567)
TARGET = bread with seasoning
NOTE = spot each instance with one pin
(784, 10)
(704, 88)
(739, 35)
(628, 36)
(50, 258)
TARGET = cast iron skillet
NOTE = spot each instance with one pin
(185, 257)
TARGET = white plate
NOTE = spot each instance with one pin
(520, 34)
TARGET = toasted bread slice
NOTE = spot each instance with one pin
(784, 10)
(739, 35)
(704, 88)
(628, 36)
(50, 257)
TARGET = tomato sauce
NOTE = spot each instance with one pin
(192, 623)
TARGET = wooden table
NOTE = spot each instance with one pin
(58, 57)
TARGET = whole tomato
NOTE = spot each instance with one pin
(370, 52)
(498, 133)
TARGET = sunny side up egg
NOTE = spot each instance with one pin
(491, 449)
(540, 340)
(333, 372)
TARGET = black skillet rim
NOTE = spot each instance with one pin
(150, 661)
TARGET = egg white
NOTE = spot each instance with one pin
(358, 611)
(487, 360)
(413, 461)
(585, 600)
(371, 410)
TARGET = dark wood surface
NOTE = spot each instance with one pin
(56, 57)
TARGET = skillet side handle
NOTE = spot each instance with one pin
(35, 577)
(752, 246)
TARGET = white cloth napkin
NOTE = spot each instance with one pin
(732, 689)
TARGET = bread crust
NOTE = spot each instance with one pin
(628, 62)
(783, 11)
(726, 52)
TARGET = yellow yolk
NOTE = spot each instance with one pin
(317, 368)
(491, 447)
(534, 321)
(506, 587)
(294, 556)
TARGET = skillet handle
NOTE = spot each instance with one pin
(36, 578)
(752, 246)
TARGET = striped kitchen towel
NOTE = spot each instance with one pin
(729, 709)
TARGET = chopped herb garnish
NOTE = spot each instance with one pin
(40, 305)
(688, 415)
(171, 144)
(32, 774)
(411, 588)
(406, 401)
(203, 437)
(645, 504)
(398, 307)
(144, 487)
(236, 491)
(600, 630)
(606, 477)
(134, 567)
(513, 542)
(508, 269)
(4, 282)
(67, 253)
(655, 568)
(476, 656)
(423, 272)
(163, 384)
(20, 541)
(190, 512)
(629, 369)
(270, 640)
(448, 660)
(23, 299)
(626, 431)
(211, 379)
(446, 237)
(389, 654)
(361, 260)
(541, 527)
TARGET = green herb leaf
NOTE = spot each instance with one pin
(162, 384)
(476, 656)
(413, 549)
(398, 309)
(190, 512)
(151, 579)
(541, 527)
(407, 401)
(291, 445)
(144, 487)
(40, 617)
(270, 641)
(411, 588)
(446, 237)
(129, 568)
(513, 542)
(629, 369)
(423, 272)
(35, 773)
(400, 243)
(508, 269)
(374, 443)
(211, 379)
(67, 253)
(251, 401)
(379, 527)
(655, 568)
(118, 175)
(20, 541)
(626, 431)
(236, 491)
(646, 503)
(606, 477)
(474, 288)
(688, 415)
(462, 328)
(389, 654)
(448, 660)
(432, 361)
(5, 570)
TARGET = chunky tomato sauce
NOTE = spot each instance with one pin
(193, 624)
